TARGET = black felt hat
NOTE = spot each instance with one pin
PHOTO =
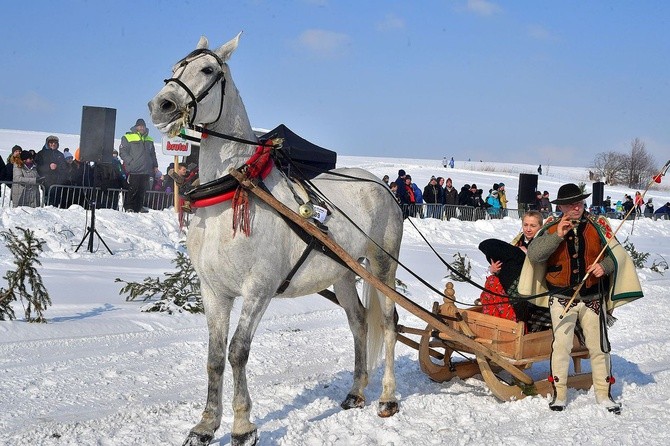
(512, 259)
(570, 193)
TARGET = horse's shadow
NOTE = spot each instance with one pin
(336, 388)
(90, 313)
(410, 381)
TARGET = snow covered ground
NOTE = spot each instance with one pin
(102, 372)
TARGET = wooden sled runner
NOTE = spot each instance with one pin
(442, 357)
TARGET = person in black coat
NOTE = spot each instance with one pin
(50, 164)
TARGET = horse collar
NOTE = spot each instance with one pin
(223, 189)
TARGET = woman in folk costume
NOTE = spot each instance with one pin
(506, 260)
(562, 254)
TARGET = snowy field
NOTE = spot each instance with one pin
(101, 372)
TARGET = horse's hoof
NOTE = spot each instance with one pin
(195, 439)
(248, 439)
(388, 409)
(353, 402)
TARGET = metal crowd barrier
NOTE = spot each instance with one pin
(464, 213)
(6, 194)
(63, 196)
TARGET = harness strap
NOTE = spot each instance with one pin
(311, 245)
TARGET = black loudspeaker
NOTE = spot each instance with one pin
(97, 134)
(598, 194)
(527, 187)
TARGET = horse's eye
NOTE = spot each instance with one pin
(208, 70)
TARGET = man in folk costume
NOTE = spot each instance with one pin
(565, 250)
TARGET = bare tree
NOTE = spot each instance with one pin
(640, 164)
(610, 167)
(631, 169)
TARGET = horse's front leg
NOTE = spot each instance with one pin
(244, 432)
(218, 321)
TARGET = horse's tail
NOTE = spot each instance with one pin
(374, 317)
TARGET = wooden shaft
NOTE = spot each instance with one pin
(392, 294)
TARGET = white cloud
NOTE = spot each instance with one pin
(539, 32)
(390, 22)
(31, 101)
(324, 43)
(482, 7)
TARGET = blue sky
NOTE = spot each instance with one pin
(520, 81)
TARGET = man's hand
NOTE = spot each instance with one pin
(564, 226)
(596, 270)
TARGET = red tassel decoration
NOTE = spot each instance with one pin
(241, 218)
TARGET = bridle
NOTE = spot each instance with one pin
(196, 99)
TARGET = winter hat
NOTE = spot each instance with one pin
(501, 185)
(25, 155)
(570, 193)
(141, 122)
(17, 147)
(473, 186)
(68, 155)
(495, 186)
(401, 173)
(52, 138)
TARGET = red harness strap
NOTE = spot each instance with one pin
(258, 166)
(260, 162)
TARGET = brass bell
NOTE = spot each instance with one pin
(306, 210)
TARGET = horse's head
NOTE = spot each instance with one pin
(195, 92)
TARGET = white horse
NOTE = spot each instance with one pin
(202, 92)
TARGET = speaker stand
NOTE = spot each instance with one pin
(91, 230)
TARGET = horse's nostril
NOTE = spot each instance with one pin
(167, 106)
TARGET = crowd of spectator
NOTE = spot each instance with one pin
(430, 201)
(61, 179)
(440, 199)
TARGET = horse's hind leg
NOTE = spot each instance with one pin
(384, 268)
(347, 296)
(244, 432)
(217, 312)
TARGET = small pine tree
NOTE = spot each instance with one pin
(639, 258)
(462, 265)
(179, 291)
(25, 250)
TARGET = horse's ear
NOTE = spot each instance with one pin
(227, 49)
(202, 43)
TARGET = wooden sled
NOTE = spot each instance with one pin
(450, 329)
(442, 357)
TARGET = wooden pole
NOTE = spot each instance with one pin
(176, 186)
(376, 282)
